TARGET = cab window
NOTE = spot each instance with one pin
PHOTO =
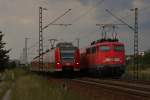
(119, 48)
(88, 51)
(104, 48)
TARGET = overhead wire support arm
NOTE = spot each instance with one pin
(52, 23)
(109, 25)
(120, 20)
(61, 24)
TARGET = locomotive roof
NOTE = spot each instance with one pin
(106, 43)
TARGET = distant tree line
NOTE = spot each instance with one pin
(144, 60)
(11, 64)
(4, 58)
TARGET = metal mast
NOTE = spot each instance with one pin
(26, 51)
(40, 39)
(136, 50)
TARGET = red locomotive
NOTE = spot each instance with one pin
(64, 56)
(104, 57)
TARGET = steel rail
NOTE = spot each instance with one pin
(141, 90)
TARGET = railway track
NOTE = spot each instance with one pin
(140, 89)
(146, 82)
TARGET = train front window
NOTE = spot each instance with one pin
(67, 55)
(104, 48)
(119, 48)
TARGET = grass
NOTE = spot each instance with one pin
(7, 78)
(4, 86)
(143, 73)
(142, 67)
(30, 86)
(34, 87)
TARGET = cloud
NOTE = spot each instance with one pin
(139, 3)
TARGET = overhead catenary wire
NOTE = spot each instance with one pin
(83, 14)
(52, 23)
(75, 20)
(80, 16)
(142, 10)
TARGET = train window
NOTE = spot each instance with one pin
(67, 55)
(119, 48)
(88, 51)
(93, 49)
(104, 48)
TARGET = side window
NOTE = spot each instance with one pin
(91, 50)
(88, 51)
(94, 50)
(104, 48)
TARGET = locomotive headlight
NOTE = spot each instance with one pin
(116, 59)
(108, 59)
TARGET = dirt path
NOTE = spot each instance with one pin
(7, 95)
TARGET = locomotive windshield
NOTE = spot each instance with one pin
(104, 48)
(119, 48)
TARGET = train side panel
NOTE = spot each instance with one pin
(58, 65)
(77, 60)
(34, 64)
(51, 64)
(49, 61)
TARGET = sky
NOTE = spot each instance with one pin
(19, 20)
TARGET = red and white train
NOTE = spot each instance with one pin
(64, 57)
(104, 57)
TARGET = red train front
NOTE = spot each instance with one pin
(64, 57)
(67, 57)
(104, 57)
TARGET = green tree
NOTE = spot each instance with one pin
(146, 58)
(4, 58)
